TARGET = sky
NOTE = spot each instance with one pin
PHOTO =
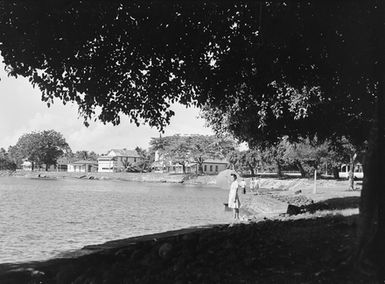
(22, 111)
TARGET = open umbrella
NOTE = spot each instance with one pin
(224, 178)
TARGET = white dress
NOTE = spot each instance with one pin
(233, 196)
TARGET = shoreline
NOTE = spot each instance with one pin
(289, 183)
(183, 254)
(124, 176)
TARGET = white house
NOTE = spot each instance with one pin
(26, 165)
(117, 160)
(83, 166)
(106, 164)
(178, 168)
(62, 164)
(214, 166)
(358, 171)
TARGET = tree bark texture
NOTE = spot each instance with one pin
(279, 168)
(336, 172)
(371, 229)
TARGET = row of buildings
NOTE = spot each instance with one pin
(118, 160)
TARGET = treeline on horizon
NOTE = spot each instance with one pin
(305, 155)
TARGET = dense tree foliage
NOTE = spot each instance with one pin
(15, 156)
(192, 148)
(138, 57)
(5, 162)
(343, 151)
(307, 154)
(304, 155)
(43, 147)
(173, 149)
(144, 164)
(242, 161)
(263, 69)
(84, 155)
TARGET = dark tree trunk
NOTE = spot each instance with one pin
(300, 168)
(251, 170)
(371, 229)
(32, 166)
(336, 172)
(371, 219)
(279, 168)
(200, 168)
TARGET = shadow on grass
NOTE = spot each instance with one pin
(272, 251)
(350, 202)
(288, 176)
(272, 175)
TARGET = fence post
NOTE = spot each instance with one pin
(315, 182)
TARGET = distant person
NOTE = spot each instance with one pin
(242, 184)
(234, 202)
(257, 183)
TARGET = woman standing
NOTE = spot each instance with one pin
(234, 198)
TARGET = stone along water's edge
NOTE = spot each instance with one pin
(124, 176)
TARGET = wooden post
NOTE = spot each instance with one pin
(315, 182)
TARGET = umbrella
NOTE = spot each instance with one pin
(224, 178)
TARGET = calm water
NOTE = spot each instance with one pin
(41, 218)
